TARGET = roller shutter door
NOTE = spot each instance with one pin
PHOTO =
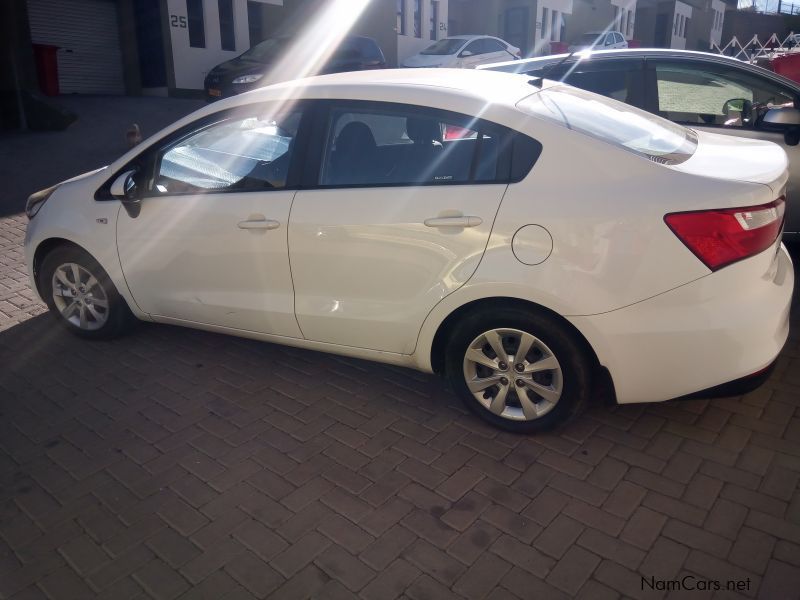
(87, 31)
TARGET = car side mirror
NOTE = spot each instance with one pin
(781, 117)
(467, 53)
(785, 119)
(126, 190)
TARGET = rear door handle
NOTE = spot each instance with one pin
(453, 222)
(259, 224)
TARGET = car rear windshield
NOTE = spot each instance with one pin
(443, 47)
(589, 39)
(614, 122)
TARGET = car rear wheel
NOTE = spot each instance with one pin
(518, 370)
(81, 296)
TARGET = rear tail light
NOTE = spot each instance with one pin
(723, 236)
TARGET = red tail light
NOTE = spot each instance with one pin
(723, 236)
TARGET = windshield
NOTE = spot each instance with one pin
(267, 51)
(589, 39)
(445, 46)
(614, 122)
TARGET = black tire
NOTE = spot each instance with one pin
(116, 318)
(572, 377)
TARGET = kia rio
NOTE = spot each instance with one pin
(522, 237)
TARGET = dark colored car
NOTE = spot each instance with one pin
(704, 91)
(250, 69)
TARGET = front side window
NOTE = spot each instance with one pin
(476, 47)
(715, 95)
(246, 152)
(379, 146)
(613, 122)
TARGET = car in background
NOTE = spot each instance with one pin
(463, 52)
(251, 69)
(523, 240)
(599, 40)
(703, 91)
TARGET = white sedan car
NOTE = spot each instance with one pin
(523, 237)
(463, 52)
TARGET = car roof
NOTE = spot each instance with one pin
(618, 52)
(466, 37)
(482, 91)
(527, 64)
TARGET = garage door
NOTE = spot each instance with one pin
(87, 33)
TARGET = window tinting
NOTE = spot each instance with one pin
(244, 153)
(396, 146)
(491, 45)
(227, 32)
(475, 47)
(197, 25)
(715, 95)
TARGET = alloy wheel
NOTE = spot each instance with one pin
(513, 374)
(79, 297)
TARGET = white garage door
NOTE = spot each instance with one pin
(87, 33)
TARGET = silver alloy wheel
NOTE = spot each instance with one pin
(513, 374)
(79, 297)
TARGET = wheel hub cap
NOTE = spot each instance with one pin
(79, 297)
(537, 376)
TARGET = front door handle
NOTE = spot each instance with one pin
(453, 222)
(259, 224)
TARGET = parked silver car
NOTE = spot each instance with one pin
(707, 92)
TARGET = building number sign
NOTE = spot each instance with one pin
(177, 21)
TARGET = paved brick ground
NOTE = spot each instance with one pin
(176, 463)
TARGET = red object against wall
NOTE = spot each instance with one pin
(558, 47)
(47, 68)
(787, 65)
(634, 44)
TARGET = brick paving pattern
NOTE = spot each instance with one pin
(181, 464)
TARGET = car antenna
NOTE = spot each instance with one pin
(539, 81)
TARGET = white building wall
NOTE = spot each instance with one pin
(544, 33)
(683, 12)
(409, 44)
(191, 65)
(715, 36)
(626, 17)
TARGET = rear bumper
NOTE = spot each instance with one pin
(723, 327)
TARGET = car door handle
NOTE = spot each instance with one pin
(453, 222)
(259, 224)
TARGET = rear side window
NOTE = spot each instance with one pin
(617, 79)
(385, 145)
(614, 122)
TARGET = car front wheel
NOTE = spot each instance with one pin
(518, 370)
(81, 296)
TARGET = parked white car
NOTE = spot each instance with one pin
(472, 223)
(463, 52)
(599, 40)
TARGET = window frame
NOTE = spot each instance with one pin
(199, 20)
(651, 85)
(323, 109)
(146, 162)
(227, 25)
